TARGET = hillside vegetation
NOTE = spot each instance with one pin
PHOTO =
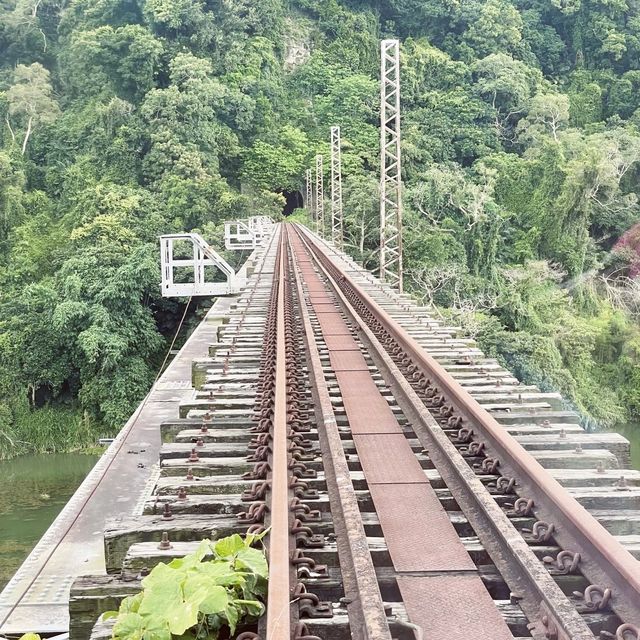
(123, 119)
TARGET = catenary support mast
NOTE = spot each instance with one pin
(308, 202)
(336, 188)
(319, 204)
(390, 167)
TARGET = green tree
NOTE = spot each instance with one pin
(12, 183)
(495, 26)
(548, 114)
(30, 102)
(507, 85)
(113, 60)
(279, 164)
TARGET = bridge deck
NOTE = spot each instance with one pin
(500, 468)
(73, 545)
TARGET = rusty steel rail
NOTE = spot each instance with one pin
(279, 453)
(514, 559)
(279, 590)
(612, 570)
(367, 617)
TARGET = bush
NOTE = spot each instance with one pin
(213, 590)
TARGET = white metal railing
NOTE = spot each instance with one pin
(247, 234)
(199, 281)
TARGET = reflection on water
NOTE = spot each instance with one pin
(33, 490)
(631, 432)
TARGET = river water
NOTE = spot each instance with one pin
(632, 433)
(33, 490)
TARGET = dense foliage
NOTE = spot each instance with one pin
(202, 596)
(122, 120)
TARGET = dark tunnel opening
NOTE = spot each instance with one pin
(294, 201)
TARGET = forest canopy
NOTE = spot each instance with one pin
(124, 119)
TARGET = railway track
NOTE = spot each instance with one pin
(412, 488)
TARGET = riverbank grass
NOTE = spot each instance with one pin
(49, 429)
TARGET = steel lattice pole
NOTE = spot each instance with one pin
(390, 166)
(319, 196)
(336, 188)
(308, 203)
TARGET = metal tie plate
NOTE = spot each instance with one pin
(433, 602)
(418, 531)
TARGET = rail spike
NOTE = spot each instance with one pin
(505, 485)
(475, 449)
(543, 531)
(309, 605)
(306, 566)
(594, 598)
(523, 506)
(627, 632)
(548, 626)
(464, 435)
(302, 633)
(490, 465)
(566, 562)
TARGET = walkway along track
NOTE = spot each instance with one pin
(399, 506)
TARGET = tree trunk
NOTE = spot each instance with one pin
(26, 136)
(13, 135)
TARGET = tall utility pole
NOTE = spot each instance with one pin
(308, 203)
(336, 188)
(319, 197)
(390, 177)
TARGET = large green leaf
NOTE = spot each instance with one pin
(160, 574)
(216, 601)
(251, 607)
(195, 586)
(229, 546)
(130, 626)
(161, 598)
(193, 559)
(204, 549)
(252, 559)
(178, 563)
(233, 615)
(131, 604)
(250, 586)
(204, 594)
(221, 573)
(182, 617)
(156, 628)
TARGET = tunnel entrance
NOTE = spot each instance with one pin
(294, 201)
